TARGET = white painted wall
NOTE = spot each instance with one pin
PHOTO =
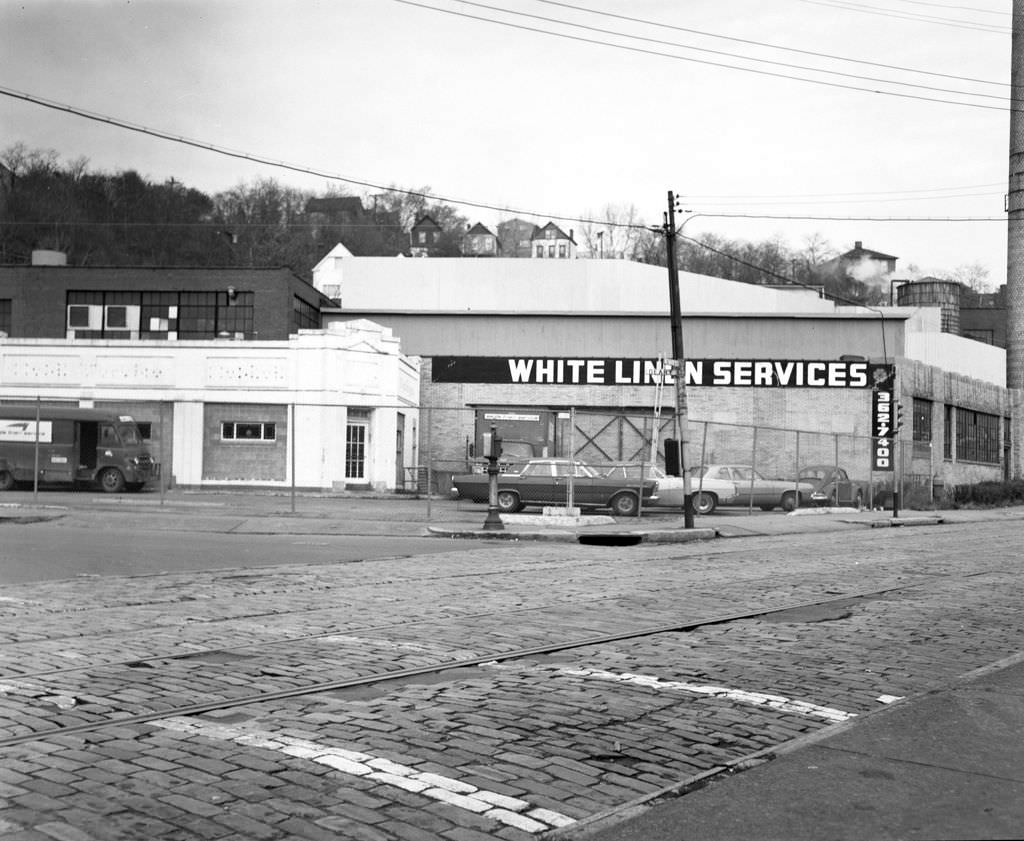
(959, 356)
(553, 286)
(358, 363)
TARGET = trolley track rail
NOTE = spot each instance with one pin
(199, 708)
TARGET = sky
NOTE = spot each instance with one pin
(859, 113)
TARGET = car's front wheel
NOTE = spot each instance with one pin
(788, 501)
(6, 480)
(704, 502)
(509, 502)
(625, 505)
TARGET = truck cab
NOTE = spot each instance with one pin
(74, 446)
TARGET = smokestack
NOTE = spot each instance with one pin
(1015, 247)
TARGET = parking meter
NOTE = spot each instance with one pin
(492, 449)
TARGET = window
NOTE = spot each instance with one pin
(78, 316)
(540, 250)
(248, 431)
(947, 433)
(5, 316)
(355, 450)
(160, 315)
(562, 252)
(235, 314)
(117, 317)
(977, 437)
(922, 420)
(305, 316)
(986, 336)
(422, 237)
(551, 251)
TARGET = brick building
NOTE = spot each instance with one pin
(229, 372)
(778, 377)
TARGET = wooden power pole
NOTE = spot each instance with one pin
(676, 315)
(1015, 247)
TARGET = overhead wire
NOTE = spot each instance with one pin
(709, 51)
(751, 42)
(562, 217)
(874, 10)
(768, 73)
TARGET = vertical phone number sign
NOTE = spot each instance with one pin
(883, 407)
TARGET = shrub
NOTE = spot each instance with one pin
(990, 494)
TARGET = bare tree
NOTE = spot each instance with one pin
(615, 232)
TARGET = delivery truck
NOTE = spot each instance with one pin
(73, 446)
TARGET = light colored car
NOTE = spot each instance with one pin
(753, 489)
(672, 489)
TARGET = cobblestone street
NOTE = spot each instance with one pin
(531, 687)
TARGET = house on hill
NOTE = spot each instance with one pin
(551, 242)
(424, 237)
(479, 241)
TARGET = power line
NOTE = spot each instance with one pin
(749, 203)
(874, 10)
(209, 147)
(220, 150)
(676, 44)
(957, 8)
(702, 196)
(658, 54)
(811, 218)
(830, 56)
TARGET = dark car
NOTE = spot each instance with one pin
(545, 481)
(833, 486)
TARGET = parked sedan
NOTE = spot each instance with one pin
(833, 486)
(671, 489)
(546, 482)
(754, 489)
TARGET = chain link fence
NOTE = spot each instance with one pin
(812, 468)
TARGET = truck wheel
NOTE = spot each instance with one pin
(508, 502)
(6, 480)
(112, 480)
(789, 501)
(625, 505)
(705, 503)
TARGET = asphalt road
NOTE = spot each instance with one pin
(54, 550)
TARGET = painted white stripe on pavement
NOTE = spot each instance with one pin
(510, 811)
(760, 699)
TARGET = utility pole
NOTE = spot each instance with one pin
(675, 313)
(1015, 247)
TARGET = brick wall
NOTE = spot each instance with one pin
(244, 460)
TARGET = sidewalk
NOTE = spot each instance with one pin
(944, 765)
(278, 513)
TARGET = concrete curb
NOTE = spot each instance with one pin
(596, 537)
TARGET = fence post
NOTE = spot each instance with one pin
(430, 431)
(35, 471)
(291, 441)
(753, 467)
(572, 455)
(796, 473)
